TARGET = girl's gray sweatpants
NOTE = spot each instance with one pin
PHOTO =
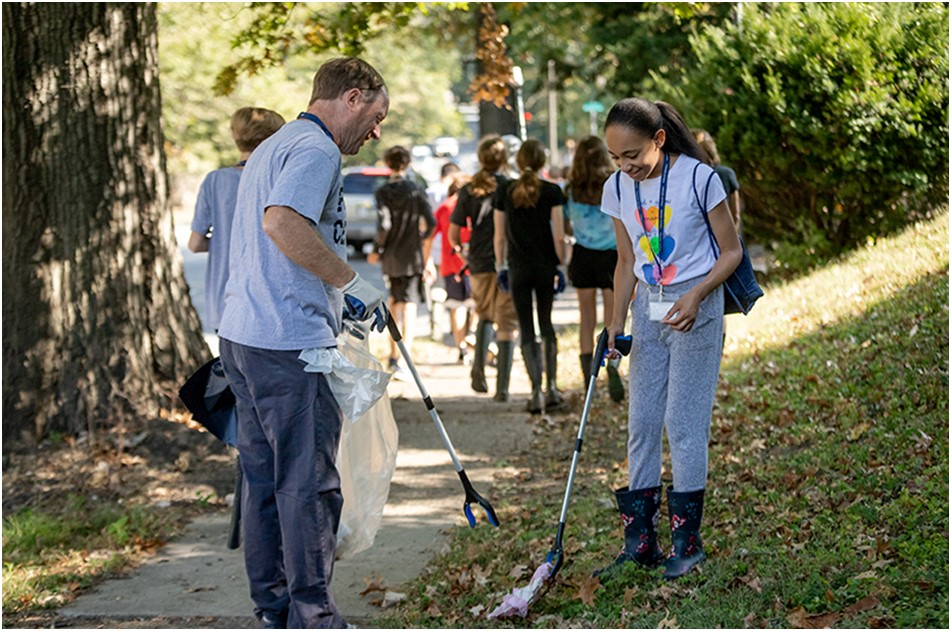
(673, 379)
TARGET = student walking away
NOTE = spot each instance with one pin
(288, 289)
(215, 206)
(676, 320)
(727, 175)
(529, 248)
(452, 269)
(437, 193)
(474, 210)
(594, 254)
(404, 222)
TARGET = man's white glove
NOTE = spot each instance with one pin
(362, 300)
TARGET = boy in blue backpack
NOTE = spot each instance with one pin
(676, 320)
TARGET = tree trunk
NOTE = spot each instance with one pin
(98, 324)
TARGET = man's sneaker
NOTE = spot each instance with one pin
(398, 370)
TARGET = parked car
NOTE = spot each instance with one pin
(446, 147)
(359, 185)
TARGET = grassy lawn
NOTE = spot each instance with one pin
(827, 500)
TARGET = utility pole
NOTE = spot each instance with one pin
(519, 80)
(553, 113)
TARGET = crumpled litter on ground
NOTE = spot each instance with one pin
(516, 603)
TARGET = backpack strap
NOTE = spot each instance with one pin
(617, 187)
(703, 207)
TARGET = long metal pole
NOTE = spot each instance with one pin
(552, 113)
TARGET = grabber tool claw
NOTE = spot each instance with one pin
(471, 496)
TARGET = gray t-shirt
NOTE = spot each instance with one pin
(214, 210)
(270, 301)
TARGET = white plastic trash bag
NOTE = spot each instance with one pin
(366, 461)
(355, 377)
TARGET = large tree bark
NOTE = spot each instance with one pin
(97, 319)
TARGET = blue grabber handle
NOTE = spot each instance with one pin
(622, 344)
(472, 496)
(556, 555)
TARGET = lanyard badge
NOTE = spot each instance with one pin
(658, 306)
(661, 207)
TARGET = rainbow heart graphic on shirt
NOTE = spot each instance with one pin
(654, 278)
(651, 218)
(654, 249)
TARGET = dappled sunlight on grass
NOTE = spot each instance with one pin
(841, 291)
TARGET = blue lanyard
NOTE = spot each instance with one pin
(660, 215)
(319, 122)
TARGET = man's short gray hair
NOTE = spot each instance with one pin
(345, 73)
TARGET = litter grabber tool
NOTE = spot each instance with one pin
(472, 497)
(518, 602)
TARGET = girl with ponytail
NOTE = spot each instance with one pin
(529, 248)
(594, 254)
(474, 210)
(658, 199)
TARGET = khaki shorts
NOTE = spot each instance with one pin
(493, 304)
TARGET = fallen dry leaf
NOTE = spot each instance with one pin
(518, 572)
(477, 610)
(869, 602)
(374, 584)
(480, 576)
(589, 585)
(629, 594)
(668, 622)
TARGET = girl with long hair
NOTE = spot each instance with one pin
(658, 199)
(529, 248)
(594, 254)
(474, 210)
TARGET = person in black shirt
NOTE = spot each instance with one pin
(529, 233)
(727, 175)
(474, 210)
(404, 221)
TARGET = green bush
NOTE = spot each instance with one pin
(835, 116)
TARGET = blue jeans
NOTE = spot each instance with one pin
(288, 434)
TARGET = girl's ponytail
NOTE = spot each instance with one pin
(679, 137)
(492, 156)
(527, 189)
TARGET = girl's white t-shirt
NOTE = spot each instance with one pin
(686, 252)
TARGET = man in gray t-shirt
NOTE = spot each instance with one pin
(289, 287)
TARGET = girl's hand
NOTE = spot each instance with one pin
(683, 314)
(613, 331)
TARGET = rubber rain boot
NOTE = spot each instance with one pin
(615, 385)
(585, 359)
(686, 550)
(483, 332)
(553, 399)
(640, 513)
(532, 354)
(504, 370)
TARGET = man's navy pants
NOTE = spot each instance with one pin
(288, 433)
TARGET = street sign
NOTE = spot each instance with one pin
(593, 107)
